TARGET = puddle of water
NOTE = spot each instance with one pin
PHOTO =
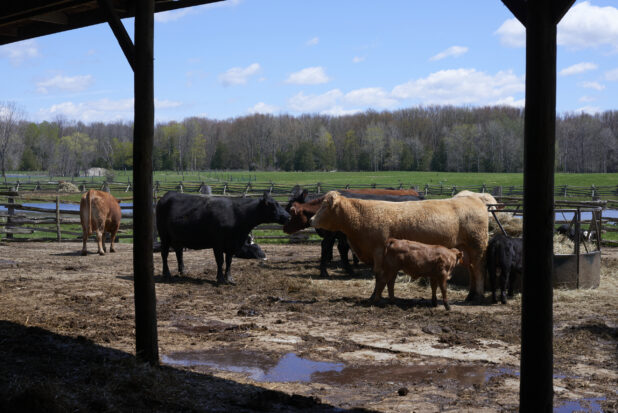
(259, 367)
(465, 375)
(583, 405)
(291, 368)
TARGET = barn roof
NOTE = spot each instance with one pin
(27, 19)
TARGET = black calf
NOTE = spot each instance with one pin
(505, 253)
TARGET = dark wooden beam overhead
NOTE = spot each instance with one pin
(119, 31)
(561, 7)
(518, 8)
(27, 19)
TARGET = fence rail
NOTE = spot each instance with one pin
(65, 225)
(237, 187)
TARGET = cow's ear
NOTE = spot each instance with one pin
(265, 196)
(304, 194)
(332, 198)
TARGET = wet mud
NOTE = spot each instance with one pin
(284, 339)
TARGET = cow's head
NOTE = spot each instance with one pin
(297, 195)
(250, 250)
(299, 219)
(273, 212)
(327, 216)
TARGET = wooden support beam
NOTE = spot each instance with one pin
(53, 17)
(561, 7)
(518, 8)
(119, 31)
(147, 348)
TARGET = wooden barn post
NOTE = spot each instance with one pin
(145, 300)
(540, 18)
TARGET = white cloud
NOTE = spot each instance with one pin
(611, 75)
(315, 103)
(592, 85)
(591, 110)
(512, 33)
(262, 107)
(510, 101)
(370, 97)
(460, 87)
(587, 99)
(308, 76)
(453, 51)
(578, 68)
(64, 83)
(583, 26)
(358, 59)
(586, 25)
(313, 41)
(238, 75)
(19, 52)
(103, 110)
(175, 15)
(339, 111)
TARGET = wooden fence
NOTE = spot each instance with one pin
(18, 220)
(239, 188)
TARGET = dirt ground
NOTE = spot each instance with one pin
(67, 338)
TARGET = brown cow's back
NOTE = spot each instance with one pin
(99, 212)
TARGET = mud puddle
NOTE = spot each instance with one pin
(583, 405)
(292, 368)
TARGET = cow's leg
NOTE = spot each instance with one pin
(476, 277)
(391, 287)
(344, 247)
(434, 287)
(179, 259)
(504, 278)
(326, 254)
(219, 258)
(512, 282)
(377, 291)
(228, 265)
(443, 290)
(85, 235)
(165, 250)
(112, 235)
(492, 280)
(100, 245)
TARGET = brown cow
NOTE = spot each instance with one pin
(454, 223)
(417, 260)
(99, 212)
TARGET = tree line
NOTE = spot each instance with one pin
(429, 138)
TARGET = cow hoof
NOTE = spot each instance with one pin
(84, 253)
(101, 253)
(474, 296)
(447, 306)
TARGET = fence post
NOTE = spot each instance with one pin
(58, 218)
(11, 210)
(224, 188)
(484, 189)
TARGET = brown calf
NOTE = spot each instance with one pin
(418, 260)
(99, 212)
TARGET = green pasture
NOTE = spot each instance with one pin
(383, 178)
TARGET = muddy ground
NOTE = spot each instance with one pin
(67, 338)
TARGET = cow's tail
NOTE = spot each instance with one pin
(89, 195)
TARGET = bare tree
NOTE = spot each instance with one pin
(10, 116)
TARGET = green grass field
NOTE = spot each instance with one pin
(343, 178)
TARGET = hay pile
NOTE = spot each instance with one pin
(67, 187)
(513, 226)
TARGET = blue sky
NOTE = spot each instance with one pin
(321, 56)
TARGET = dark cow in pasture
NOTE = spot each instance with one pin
(302, 207)
(417, 260)
(454, 223)
(250, 250)
(99, 212)
(220, 223)
(505, 253)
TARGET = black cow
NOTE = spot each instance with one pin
(569, 231)
(250, 250)
(311, 203)
(505, 253)
(220, 223)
